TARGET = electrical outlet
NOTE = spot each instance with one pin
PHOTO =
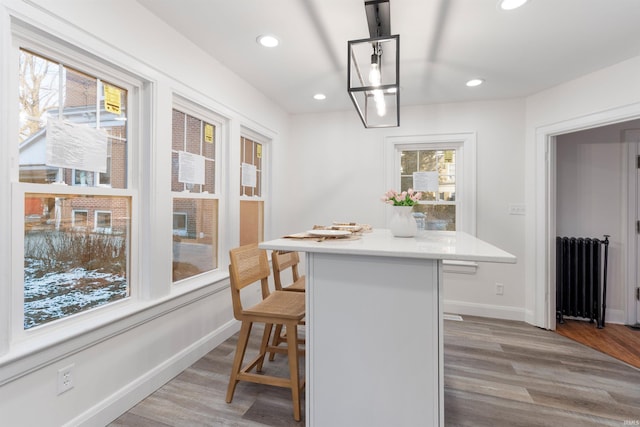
(516, 209)
(65, 378)
(499, 289)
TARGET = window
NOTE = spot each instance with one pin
(179, 224)
(67, 268)
(451, 158)
(251, 191)
(73, 132)
(193, 187)
(70, 120)
(438, 206)
(103, 222)
(80, 219)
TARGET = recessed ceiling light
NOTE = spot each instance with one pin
(319, 96)
(511, 4)
(475, 82)
(268, 40)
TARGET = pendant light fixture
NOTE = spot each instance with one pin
(373, 73)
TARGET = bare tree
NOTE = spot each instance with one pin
(38, 91)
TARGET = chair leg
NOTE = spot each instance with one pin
(263, 346)
(245, 331)
(294, 372)
(277, 339)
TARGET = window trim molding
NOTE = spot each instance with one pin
(266, 140)
(465, 143)
(46, 43)
(191, 107)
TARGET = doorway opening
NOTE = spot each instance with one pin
(610, 170)
(592, 184)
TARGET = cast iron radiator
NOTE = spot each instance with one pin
(581, 278)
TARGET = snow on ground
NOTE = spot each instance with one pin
(55, 295)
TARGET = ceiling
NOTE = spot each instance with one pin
(443, 43)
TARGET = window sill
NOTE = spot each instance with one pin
(54, 342)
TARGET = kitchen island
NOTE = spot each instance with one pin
(374, 351)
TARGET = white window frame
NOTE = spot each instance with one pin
(465, 146)
(191, 108)
(26, 37)
(265, 141)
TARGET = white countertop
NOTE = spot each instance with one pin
(449, 245)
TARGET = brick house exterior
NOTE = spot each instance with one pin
(80, 106)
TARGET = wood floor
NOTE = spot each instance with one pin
(497, 373)
(618, 341)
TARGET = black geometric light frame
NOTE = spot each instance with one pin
(373, 73)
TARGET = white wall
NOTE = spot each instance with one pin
(607, 96)
(590, 182)
(335, 171)
(113, 373)
(120, 361)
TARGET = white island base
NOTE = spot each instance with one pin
(374, 351)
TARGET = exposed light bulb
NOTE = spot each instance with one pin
(374, 74)
(381, 106)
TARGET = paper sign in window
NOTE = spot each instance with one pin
(112, 99)
(249, 175)
(259, 151)
(425, 181)
(191, 168)
(448, 156)
(73, 146)
(208, 133)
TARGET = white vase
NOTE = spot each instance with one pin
(402, 222)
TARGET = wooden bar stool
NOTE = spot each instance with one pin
(283, 261)
(250, 264)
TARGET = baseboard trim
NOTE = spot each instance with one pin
(615, 316)
(484, 310)
(118, 403)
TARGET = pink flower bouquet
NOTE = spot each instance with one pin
(406, 198)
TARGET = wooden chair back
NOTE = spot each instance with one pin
(282, 260)
(249, 264)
